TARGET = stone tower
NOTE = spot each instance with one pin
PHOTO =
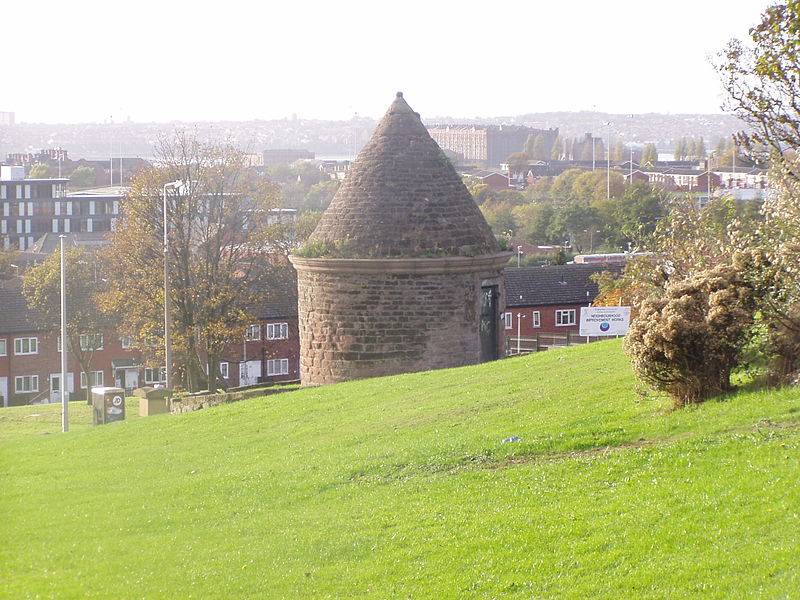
(402, 273)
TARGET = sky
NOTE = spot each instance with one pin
(190, 61)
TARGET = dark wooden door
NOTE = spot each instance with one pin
(488, 325)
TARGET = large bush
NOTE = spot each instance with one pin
(687, 341)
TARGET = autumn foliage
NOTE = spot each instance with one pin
(687, 342)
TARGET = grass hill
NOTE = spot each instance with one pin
(543, 476)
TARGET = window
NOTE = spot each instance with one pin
(26, 345)
(91, 341)
(509, 319)
(565, 317)
(125, 341)
(3, 349)
(277, 331)
(279, 366)
(253, 333)
(157, 375)
(26, 384)
(536, 319)
(95, 377)
(223, 370)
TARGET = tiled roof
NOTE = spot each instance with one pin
(15, 317)
(403, 198)
(558, 284)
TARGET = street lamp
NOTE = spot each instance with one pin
(63, 382)
(177, 184)
(519, 255)
(608, 164)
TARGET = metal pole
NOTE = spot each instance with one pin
(519, 323)
(167, 316)
(63, 386)
(608, 163)
(167, 312)
(631, 164)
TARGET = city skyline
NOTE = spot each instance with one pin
(318, 60)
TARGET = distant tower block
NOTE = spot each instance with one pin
(402, 273)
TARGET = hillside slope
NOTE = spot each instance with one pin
(416, 486)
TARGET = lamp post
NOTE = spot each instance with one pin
(608, 164)
(63, 382)
(167, 314)
(519, 255)
(519, 331)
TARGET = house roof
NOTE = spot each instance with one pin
(49, 242)
(558, 284)
(15, 317)
(403, 198)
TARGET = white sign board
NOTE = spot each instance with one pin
(604, 320)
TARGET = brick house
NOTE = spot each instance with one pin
(549, 299)
(30, 359)
(270, 350)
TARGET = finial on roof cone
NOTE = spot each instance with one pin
(399, 94)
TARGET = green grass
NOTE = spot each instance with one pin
(404, 488)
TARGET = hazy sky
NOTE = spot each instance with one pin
(91, 61)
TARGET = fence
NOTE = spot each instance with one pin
(545, 341)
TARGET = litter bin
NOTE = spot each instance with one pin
(108, 405)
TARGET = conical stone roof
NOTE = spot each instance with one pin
(401, 198)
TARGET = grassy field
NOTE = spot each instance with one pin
(544, 476)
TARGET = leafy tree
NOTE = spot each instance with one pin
(539, 190)
(517, 163)
(7, 271)
(538, 150)
(42, 290)
(320, 194)
(688, 341)
(569, 223)
(633, 217)
(527, 148)
(82, 177)
(700, 148)
(561, 191)
(532, 221)
(649, 154)
(557, 151)
(761, 80)
(680, 149)
(281, 173)
(619, 151)
(499, 216)
(219, 256)
(39, 171)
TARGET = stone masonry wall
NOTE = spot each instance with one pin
(356, 325)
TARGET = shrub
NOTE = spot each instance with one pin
(687, 342)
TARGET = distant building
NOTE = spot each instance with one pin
(285, 156)
(6, 118)
(31, 208)
(488, 144)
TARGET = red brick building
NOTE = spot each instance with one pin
(30, 359)
(548, 299)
